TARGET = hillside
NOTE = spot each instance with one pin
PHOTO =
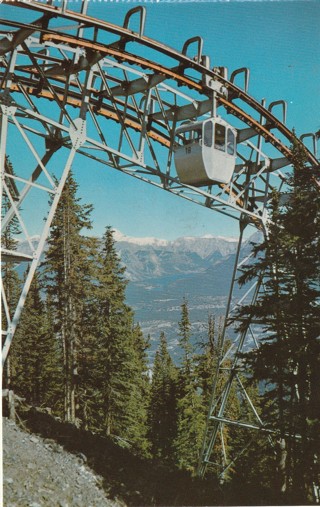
(50, 463)
(39, 472)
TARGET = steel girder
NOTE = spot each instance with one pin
(73, 85)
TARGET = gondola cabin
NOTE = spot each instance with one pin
(205, 152)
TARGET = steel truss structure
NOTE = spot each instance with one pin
(74, 85)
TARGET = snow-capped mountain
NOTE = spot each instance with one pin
(147, 258)
(147, 241)
(207, 241)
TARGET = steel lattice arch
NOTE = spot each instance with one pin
(73, 85)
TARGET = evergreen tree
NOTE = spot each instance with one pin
(287, 363)
(191, 411)
(207, 362)
(52, 369)
(11, 283)
(186, 346)
(120, 377)
(111, 345)
(37, 376)
(69, 273)
(208, 357)
(137, 427)
(163, 404)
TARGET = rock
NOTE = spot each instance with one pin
(49, 441)
(56, 447)
(82, 457)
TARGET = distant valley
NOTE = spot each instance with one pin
(161, 273)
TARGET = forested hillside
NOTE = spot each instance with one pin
(79, 351)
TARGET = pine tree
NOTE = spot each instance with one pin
(207, 361)
(208, 357)
(185, 345)
(111, 346)
(36, 353)
(163, 404)
(137, 427)
(191, 411)
(119, 382)
(69, 272)
(287, 362)
(11, 283)
(301, 221)
(52, 369)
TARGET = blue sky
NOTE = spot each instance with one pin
(278, 41)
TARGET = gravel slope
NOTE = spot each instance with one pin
(38, 472)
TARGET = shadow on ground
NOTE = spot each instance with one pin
(135, 481)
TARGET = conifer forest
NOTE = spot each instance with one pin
(79, 352)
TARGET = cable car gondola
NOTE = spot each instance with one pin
(205, 152)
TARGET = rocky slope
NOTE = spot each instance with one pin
(38, 472)
(56, 464)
